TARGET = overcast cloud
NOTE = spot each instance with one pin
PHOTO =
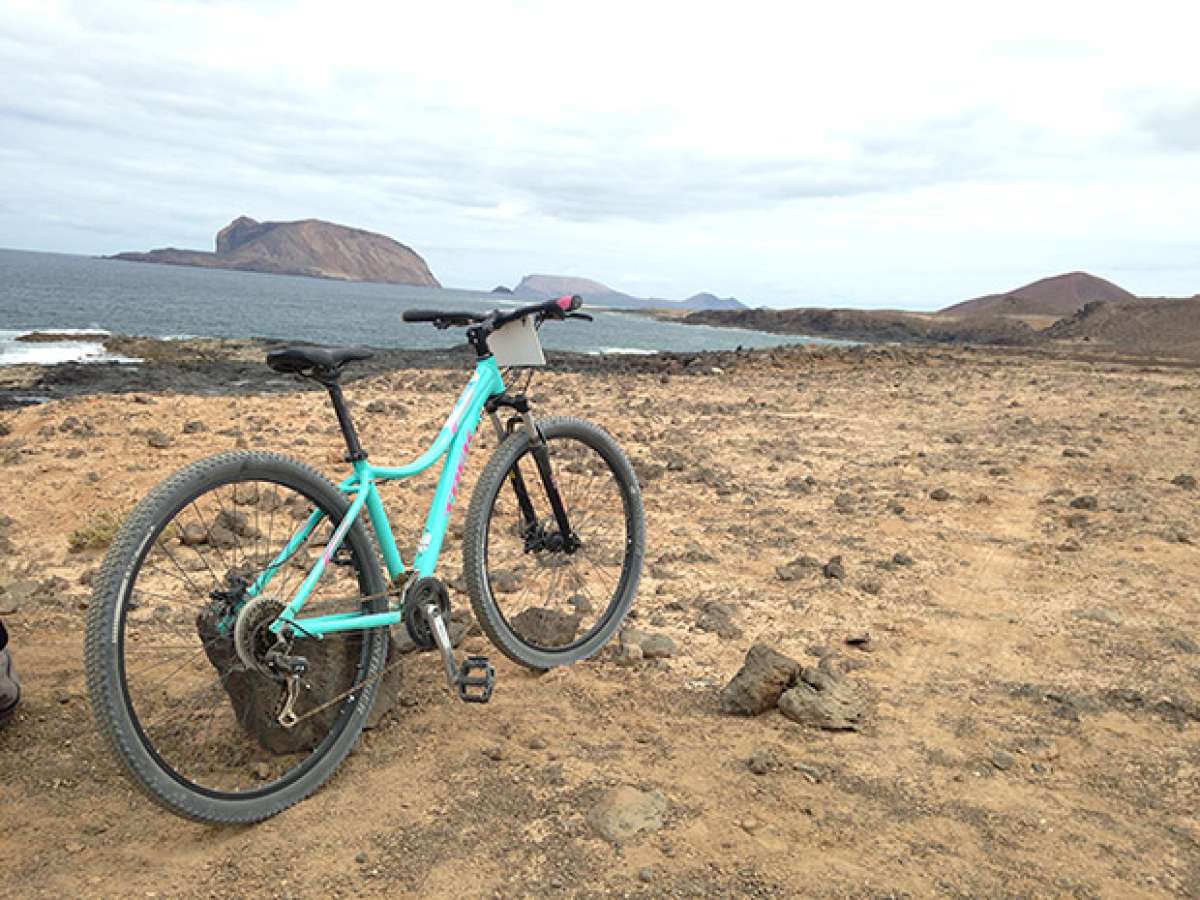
(908, 154)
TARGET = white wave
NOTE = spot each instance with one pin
(48, 353)
(622, 351)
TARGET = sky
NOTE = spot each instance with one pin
(854, 154)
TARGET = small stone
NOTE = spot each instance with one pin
(1100, 614)
(787, 573)
(626, 812)
(646, 874)
(763, 762)
(870, 586)
(1070, 545)
(1086, 501)
(955, 438)
(194, 426)
(360, 857)
(546, 627)
(261, 771)
(902, 559)
(1003, 761)
(220, 536)
(717, 618)
(657, 646)
(495, 754)
(861, 640)
(158, 440)
(939, 494)
(1187, 482)
(1074, 453)
(504, 582)
(834, 568)
(629, 655)
(537, 743)
(192, 534)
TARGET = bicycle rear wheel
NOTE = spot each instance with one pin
(177, 653)
(547, 599)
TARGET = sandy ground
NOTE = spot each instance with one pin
(1032, 677)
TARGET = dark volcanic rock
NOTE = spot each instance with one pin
(332, 667)
(834, 568)
(757, 686)
(717, 618)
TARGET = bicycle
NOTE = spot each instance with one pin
(223, 703)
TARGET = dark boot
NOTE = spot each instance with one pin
(10, 687)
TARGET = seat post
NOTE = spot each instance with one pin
(354, 449)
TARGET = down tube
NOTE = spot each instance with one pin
(430, 547)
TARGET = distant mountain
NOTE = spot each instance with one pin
(1060, 295)
(712, 301)
(545, 287)
(307, 247)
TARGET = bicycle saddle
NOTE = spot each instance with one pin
(298, 360)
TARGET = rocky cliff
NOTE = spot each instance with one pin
(307, 247)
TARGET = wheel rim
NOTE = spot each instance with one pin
(552, 598)
(201, 714)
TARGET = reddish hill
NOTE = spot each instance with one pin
(1060, 295)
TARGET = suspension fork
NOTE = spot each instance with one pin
(541, 457)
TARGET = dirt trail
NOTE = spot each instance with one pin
(1032, 674)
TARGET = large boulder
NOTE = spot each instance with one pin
(256, 699)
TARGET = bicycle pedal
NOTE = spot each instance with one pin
(476, 678)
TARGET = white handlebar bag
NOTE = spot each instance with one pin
(517, 344)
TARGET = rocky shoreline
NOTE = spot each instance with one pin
(236, 366)
(233, 367)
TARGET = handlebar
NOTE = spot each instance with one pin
(559, 308)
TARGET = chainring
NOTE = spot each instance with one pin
(423, 592)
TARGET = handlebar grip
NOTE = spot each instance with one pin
(569, 303)
(421, 315)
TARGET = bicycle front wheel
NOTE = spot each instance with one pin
(543, 596)
(178, 651)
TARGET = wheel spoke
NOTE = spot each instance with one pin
(203, 712)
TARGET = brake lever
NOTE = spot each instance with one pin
(583, 316)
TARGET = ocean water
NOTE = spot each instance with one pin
(53, 292)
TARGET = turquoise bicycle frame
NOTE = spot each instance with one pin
(453, 442)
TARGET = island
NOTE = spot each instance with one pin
(308, 247)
